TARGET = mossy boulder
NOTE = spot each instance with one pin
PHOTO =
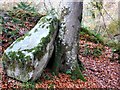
(26, 57)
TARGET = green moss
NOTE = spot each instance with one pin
(11, 47)
(11, 66)
(113, 27)
(5, 61)
(42, 20)
(41, 48)
(36, 30)
(65, 11)
(22, 38)
(92, 36)
(21, 65)
(58, 54)
(28, 50)
(43, 26)
(12, 55)
(19, 39)
(27, 58)
(19, 56)
(77, 74)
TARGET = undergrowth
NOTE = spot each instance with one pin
(15, 23)
(90, 35)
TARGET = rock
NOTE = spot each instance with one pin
(26, 57)
(117, 37)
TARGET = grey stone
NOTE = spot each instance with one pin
(26, 57)
(117, 37)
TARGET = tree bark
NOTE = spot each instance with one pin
(67, 45)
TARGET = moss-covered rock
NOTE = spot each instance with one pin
(26, 57)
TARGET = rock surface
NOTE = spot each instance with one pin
(26, 57)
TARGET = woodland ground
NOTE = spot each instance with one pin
(100, 72)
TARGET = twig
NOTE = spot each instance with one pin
(105, 27)
(45, 6)
(108, 14)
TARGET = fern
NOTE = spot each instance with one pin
(25, 7)
(97, 38)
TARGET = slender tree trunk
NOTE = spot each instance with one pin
(67, 46)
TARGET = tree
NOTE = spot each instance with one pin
(67, 54)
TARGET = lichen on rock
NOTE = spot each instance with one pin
(26, 57)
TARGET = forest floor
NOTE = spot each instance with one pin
(100, 72)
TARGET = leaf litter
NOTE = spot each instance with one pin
(100, 72)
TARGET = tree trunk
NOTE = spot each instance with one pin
(67, 45)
